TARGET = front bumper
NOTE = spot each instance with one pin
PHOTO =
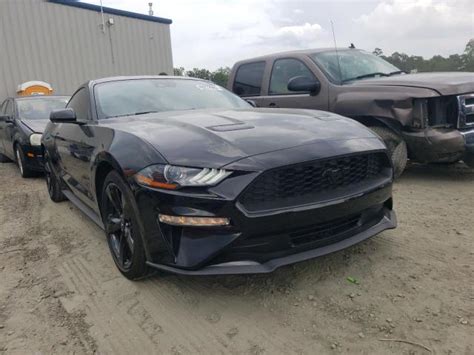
(388, 221)
(440, 144)
(468, 141)
(33, 157)
(256, 242)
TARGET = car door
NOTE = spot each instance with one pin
(75, 145)
(2, 125)
(284, 69)
(7, 129)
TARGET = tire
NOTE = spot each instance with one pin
(20, 161)
(396, 146)
(52, 182)
(469, 160)
(121, 224)
(4, 159)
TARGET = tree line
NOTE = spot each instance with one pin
(414, 63)
(405, 62)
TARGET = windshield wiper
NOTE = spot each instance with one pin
(370, 75)
(133, 114)
(397, 72)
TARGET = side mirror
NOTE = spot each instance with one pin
(252, 103)
(6, 119)
(66, 115)
(303, 83)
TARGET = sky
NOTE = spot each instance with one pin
(216, 33)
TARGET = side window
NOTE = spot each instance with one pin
(283, 70)
(80, 103)
(8, 108)
(248, 79)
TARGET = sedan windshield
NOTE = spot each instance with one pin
(141, 96)
(39, 108)
(348, 65)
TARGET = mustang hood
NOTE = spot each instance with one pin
(37, 126)
(215, 138)
(448, 83)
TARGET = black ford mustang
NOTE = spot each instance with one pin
(188, 178)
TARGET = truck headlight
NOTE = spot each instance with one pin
(35, 139)
(172, 177)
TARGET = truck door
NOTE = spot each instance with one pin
(283, 70)
(248, 81)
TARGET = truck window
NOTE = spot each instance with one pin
(248, 79)
(283, 70)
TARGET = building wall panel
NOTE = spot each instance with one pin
(65, 46)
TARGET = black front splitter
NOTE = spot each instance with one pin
(389, 221)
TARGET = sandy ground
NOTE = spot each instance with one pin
(60, 292)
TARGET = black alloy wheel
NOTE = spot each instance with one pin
(52, 182)
(121, 228)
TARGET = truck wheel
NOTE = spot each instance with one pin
(397, 148)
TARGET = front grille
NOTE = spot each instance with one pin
(466, 110)
(312, 181)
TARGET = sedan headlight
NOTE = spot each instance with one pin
(172, 177)
(35, 139)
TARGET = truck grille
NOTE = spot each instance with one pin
(466, 110)
(313, 181)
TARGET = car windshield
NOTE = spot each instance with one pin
(352, 65)
(39, 108)
(140, 96)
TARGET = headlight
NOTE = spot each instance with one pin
(35, 139)
(172, 177)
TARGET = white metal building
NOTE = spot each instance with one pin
(66, 43)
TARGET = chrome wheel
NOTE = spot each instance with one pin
(19, 161)
(119, 227)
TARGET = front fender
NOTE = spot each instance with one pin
(389, 104)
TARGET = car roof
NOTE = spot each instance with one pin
(301, 51)
(39, 97)
(138, 77)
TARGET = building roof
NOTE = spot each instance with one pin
(109, 10)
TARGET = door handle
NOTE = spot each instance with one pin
(272, 104)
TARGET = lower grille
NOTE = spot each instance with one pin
(312, 181)
(322, 231)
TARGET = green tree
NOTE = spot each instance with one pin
(468, 56)
(179, 71)
(221, 76)
(378, 52)
(199, 73)
(454, 62)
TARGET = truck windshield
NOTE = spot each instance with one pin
(352, 65)
(142, 96)
(39, 108)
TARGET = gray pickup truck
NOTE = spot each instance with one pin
(425, 117)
